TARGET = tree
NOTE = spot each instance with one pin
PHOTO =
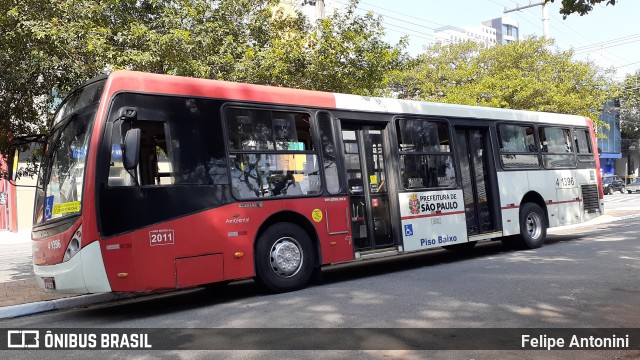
(348, 54)
(50, 47)
(527, 75)
(630, 106)
(434, 74)
(581, 7)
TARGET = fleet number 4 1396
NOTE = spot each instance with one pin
(565, 181)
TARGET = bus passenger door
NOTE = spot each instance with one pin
(368, 190)
(477, 169)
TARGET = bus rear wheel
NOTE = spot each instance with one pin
(283, 258)
(533, 226)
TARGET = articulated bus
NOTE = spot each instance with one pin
(153, 182)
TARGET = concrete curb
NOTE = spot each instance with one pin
(626, 217)
(595, 221)
(58, 304)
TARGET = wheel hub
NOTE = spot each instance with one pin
(534, 225)
(286, 257)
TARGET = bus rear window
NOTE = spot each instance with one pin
(583, 145)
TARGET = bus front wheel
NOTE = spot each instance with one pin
(533, 226)
(283, 258)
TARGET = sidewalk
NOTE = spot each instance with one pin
(17, 281)
(20, 294)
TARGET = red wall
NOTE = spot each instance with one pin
(8, 218)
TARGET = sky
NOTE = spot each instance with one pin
(609, 35)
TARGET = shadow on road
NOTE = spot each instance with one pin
(242, 291)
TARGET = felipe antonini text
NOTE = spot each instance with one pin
(575, 342)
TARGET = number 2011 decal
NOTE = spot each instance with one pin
(161, 237)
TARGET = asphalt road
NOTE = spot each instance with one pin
(584, 277)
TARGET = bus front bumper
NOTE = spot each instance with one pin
(83, 273)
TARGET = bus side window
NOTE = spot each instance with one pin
(303, 131)
(557, 147)
(328, 147)
(155, 166)
(272, 153)
(425, 154)
(518, 146)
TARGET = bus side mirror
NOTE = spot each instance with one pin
(131, 149)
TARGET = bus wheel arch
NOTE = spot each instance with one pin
(286, 252)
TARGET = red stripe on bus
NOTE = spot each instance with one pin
(510, 207)
(563, 202)
(550, 202)
(431, 215)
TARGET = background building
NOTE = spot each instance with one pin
(480, 34)
(497, 31)
(507, 30)
(609, 147)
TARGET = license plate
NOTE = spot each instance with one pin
(49, 283)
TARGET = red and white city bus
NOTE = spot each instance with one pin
(153, 182)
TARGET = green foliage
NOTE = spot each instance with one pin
(527, 75)
(581, 7)
(50, 47)
(630, 107)
(349, 55)
(435, 74)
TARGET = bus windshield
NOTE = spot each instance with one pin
(61, 177)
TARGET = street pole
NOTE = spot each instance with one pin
(320, 9)
(319, 5)
(545, 20)
(545, 15)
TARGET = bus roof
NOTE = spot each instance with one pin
(363, 103)
(124, 80)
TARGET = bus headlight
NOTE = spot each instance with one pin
(74, 245)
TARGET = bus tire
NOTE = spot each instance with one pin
(533, 226)
(283, 258)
